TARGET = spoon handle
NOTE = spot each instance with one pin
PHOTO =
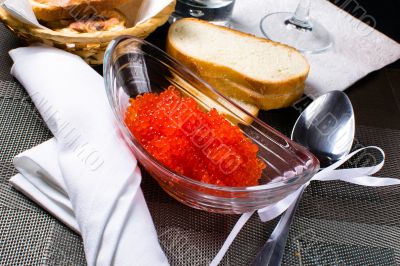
(272, 252)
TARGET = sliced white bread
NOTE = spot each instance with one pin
(52, 10)
(265, 101)
(214, 101)
(254, 70)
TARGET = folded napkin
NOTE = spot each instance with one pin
(41, 179)
(358, 48)
(86, 175)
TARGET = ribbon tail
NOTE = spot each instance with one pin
(371, 181)
(232, 235)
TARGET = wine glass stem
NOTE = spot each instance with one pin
(301, 17)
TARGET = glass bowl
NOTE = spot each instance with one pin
(133, 66)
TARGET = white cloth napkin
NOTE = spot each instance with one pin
(41, 180)
(358, 49)
(87, 171)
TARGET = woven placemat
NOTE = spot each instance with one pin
(336, 224)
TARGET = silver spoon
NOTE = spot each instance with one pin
(327, 129)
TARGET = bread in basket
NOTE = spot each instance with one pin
(46, 11)
(90, 46)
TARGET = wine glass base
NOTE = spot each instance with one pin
(311, 38)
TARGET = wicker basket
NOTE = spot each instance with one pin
(89, 46)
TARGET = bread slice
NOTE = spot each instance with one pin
(250, 108)
(255, 70)
(52, 10)
(232, 115)
(214, 101)
(261, 100)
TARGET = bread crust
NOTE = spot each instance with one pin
(262, 101)
(235, 90)
(235, 117)
(265, 94)
(73, 9)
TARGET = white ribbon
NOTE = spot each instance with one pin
(359, 176)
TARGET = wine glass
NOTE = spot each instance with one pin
(297, 30)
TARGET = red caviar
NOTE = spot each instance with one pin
(201, 145)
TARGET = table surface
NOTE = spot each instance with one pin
(336, 224)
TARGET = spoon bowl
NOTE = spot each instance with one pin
(327, 127)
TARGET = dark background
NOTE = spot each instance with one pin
(385, 12)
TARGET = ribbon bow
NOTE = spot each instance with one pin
(359, 176)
